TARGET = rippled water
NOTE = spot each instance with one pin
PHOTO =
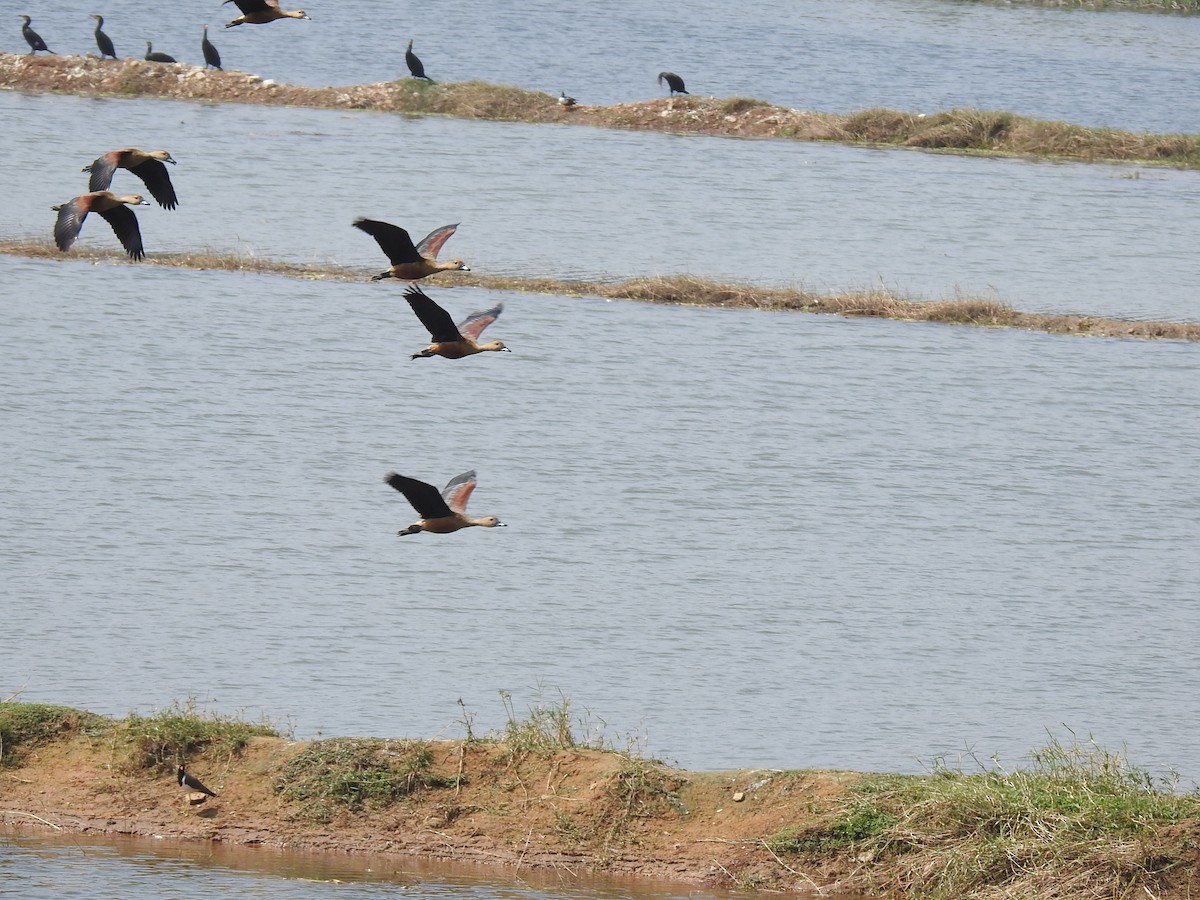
(738, 538)
(1099, 240)
(1118, 70)
(748, 538)
(54, 868)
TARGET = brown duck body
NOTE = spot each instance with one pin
(410, 262)
(115, 211)
(449, 340)
(441, 512)
(145, 164)
(261, 12)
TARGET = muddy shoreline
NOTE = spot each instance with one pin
(960, 131)
(1080, 823)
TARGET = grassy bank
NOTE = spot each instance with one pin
(1182, 7)
(959, 131)
(1077, 822)
(684, 290)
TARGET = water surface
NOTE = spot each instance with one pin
(740, 538)
(586, 203)
(1118, 70)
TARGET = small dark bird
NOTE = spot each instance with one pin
(449, 340)
(103, 41)
(32, 37)
(211, 56)
(260, 12)
(564, 100)
(415, 67)
(441, 513)
(157, 57)
(409, 262)
(674, 82)
(192, 782)
(113, 208)
(145, 164)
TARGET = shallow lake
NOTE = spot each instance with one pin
(588, 203)
(1115, 70)
(50, 868)
(735, 538)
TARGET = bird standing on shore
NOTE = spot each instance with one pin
(114, 210)
(191, 782)
(260, 12)
(441, 513)
(674, 82)
(145, 164)
(211, 56)
(564, 100)
(416, 68)
(32, 37)
(103, 41)
(409, 262)
(449, 340)
(152, 56)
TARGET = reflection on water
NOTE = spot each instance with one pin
(579, 202)
(50, 868)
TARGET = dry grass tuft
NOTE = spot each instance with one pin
(681, 290)
(961, 130)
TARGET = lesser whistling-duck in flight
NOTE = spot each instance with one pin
(564, 100)
(410, 262)
(153, 56)
(449, 340)
(192, 782)
(103, 41)
(112, 208)
(211, 56)
(674, 82)
(260, 12)
(145, 164)
(32, 37)
(415, 67)
(441, 513)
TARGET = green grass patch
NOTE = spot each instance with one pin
(1079, 820)
(357, 773)
(23, 726)
(173, 735)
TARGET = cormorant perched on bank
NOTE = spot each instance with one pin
(32, 37)
(674, 82)
(157, 57)
(415, 66)
(103, 41)
(211, 56)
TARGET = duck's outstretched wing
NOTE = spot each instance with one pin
(435, 319)
(125, 225)
(458, 491)
(431, 244)
(425, 498)
(154, 174)
(102, 170)
(392, 240)
(69, 221)
(472, 326)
